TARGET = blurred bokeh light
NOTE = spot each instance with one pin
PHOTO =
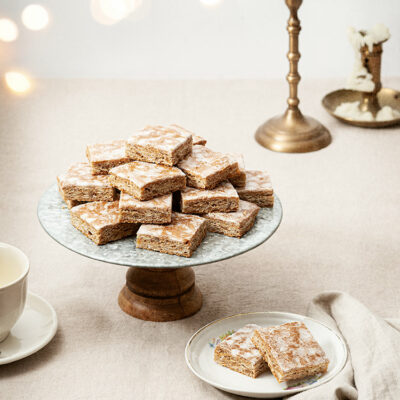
(108, 12)
(210, 3)
(8, 30)
(35, 17)
(17, 82)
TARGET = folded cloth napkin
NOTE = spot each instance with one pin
(372, 371)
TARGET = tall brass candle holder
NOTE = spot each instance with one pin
(293, 132)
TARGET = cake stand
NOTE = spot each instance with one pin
(159, 287)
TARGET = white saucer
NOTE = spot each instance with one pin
(199, 354)
(34, 330)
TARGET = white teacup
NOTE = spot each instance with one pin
(14, 268)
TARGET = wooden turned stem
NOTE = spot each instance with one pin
(160, 294)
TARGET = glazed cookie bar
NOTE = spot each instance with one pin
(73, 203)
(104, 156)
(99, 221)
(79, 184)
(158, 144)
(234, 224)
(199, 140)
(238, 353)
(181, 237)
(223, 198)
(145, 181)
(290, 351)
(239, 179)
(196, 139)
(69, 203)
(205, 169)
(154, 211)
(258, 189)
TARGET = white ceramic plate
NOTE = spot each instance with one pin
(34, 330)
(199, 354)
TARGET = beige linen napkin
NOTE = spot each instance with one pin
(372, 371)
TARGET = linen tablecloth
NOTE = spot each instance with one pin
(340, 228)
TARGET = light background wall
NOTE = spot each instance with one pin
(185, 39)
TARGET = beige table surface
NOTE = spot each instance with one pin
(340, 230)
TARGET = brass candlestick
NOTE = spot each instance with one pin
(293, 132)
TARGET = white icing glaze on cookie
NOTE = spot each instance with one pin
(293, 346)
(196, 139)
(257, 181)
(167, 138)
(107, 151)
(142, 173)
(128, 202)
(98, 213)
(239, 344)
(181, 229)
(224, 190)
(244, 211)
(80, 174)
(239, 159)
(204, 161)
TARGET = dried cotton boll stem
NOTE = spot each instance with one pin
(360, 79)
(352, 111)
(387, 113)
(377, 34)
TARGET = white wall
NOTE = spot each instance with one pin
(185, 39)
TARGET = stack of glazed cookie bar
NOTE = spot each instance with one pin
(164, 185)
(288, 351)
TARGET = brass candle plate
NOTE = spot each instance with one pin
(386, 97)
(374, 101)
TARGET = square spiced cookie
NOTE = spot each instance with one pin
(199, 140)
(145, 181)
(206, 169)
(234, 224)
(238, 353)
(154, 211)
(158, 144)
(79, 184)
(290, 351)
(223, 198)
(239, 179)
(181, 237)
(99, 221)
(196, 139)
(69, 203)
(258, 189)
(104, 156)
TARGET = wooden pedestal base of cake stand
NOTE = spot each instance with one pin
(160, 294)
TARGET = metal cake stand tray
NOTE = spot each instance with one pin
(159, 287)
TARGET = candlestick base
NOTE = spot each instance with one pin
(293, 132)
